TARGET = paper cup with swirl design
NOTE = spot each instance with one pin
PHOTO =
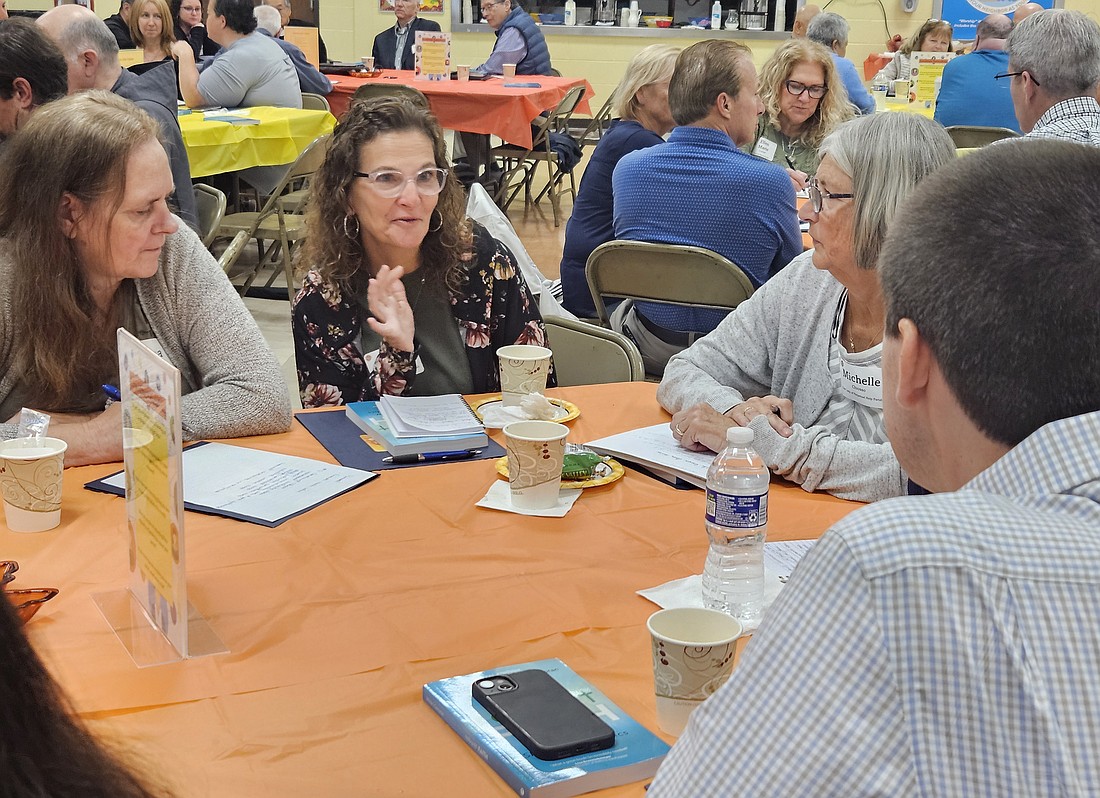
(535, 452)
(30, 478)
(693, 652)
(523, 370)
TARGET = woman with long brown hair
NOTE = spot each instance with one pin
(152, 30)
(405, 295)
(88, 245)
(934, 36)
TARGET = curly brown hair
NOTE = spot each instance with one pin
(832, 109)
(341, 259)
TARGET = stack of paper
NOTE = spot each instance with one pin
(420, 424)
(657, 452)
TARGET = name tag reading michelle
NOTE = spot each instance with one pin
(862, 384)
(764, 149)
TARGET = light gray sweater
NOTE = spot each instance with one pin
(777, 342)
(230, 381)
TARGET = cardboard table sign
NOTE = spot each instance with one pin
(432, 59)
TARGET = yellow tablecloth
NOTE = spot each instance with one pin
(921, 107)
(216, 147)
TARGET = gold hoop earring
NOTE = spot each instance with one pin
(439, 226)
(348, 233)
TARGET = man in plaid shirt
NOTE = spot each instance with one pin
(948, 644)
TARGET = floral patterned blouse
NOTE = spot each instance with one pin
(494, 309)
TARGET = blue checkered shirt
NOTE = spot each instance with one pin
(1076, 119)
(929, 645)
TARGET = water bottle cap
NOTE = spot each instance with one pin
(742, 436)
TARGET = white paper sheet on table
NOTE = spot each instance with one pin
(253, 484)
(780, 558)
(499, 497)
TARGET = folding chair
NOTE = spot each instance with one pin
(585, 354)
(211, 207)
(371, 91)
(671, 273)
(314, 102)
(522, 161)
(969, 136)
(273, 223)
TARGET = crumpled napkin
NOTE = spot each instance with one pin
(533, 407)
(499, 497)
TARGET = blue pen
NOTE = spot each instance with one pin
(113, 395)
(434, 457)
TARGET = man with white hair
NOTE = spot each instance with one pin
(268, 23)
(91, 53)
(1054, 66)
(286, 13)
(969, 95)
(831, 30)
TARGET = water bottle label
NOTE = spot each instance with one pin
(737, 512)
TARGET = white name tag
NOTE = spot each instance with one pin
(862, 384)
(765, 148)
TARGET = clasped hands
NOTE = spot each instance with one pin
(391, 317)
(701, 428)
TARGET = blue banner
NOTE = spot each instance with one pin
(964, 15)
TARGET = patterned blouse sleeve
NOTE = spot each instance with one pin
(331, 367)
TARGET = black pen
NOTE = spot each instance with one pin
(437, 457)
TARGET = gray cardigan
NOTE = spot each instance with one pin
(230, 381)
(777, 342)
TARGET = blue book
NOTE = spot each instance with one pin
(636, 755)
(369, 418)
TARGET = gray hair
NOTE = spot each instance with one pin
(1061, 50)
(995, 26)
(268, 18)
(280, 4)
(827, 28)
(885, 155)
(653, 64)
(88, 32)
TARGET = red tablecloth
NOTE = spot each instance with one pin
(476, 106)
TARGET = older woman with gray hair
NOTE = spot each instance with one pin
(641, 117)
(799, 361)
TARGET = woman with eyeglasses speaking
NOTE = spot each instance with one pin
(405, 295)
(799, 361)
(804, 101)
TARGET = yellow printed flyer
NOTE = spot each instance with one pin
(432, 56)
(152, 448)
(926, 69)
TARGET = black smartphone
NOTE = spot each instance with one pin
(542, 714)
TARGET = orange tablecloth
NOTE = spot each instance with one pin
(335, 619)
(476, 106)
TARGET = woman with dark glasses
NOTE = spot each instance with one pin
(804, 101)
(405, 295)
(799, 361)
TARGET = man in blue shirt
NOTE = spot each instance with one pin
(699, 189)
(968, 93)
(310, 79)
(831, 30)
(946, 644)
(519, 40)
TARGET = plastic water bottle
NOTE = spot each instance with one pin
(570, 12)
(716, 16)
(737, 521)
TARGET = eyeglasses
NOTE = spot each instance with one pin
(796, 88)
(428, 182)
(486, 6)
(1014, 74)
(817, 196)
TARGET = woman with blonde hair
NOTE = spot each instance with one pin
(151, 29)
(88, 245)
(934, 36)
(639, 108)
(405, 295)
(804, 101)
